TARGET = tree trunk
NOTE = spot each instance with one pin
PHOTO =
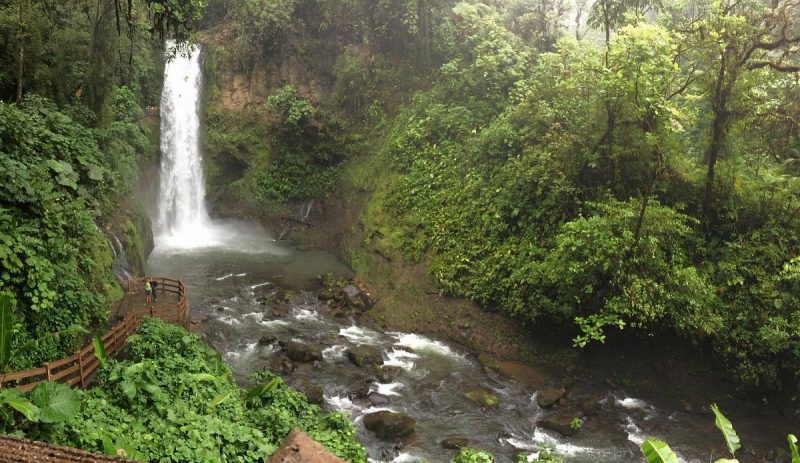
(22, 32)
(719, 105)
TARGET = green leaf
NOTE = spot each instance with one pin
(793, 448)
(58, 403)
(726, 428)
(203, 377)
(128, 388)
(259, 390)
(656, 451)
(15, 400)
(221, 397)
(99, 350)
(6, 329)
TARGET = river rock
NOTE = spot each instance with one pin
(378, 400)
(282, 365)
(358, 392)
(455, 443)
(561, 422)
(302, 352)
(383, 373)
(365, 355)
(267, 340)
(548, 397)
(590, 406)
(483, 397)
(389, 425)
(314, 392)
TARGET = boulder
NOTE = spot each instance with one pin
(358, 392)
(561, 422)
(455, 443)
(548, 397)
(365, 355)
(302, 352)
(383, 373)
(279, 364)
(483, 397)
(389, 425)
(299, 448)
(378, 400)
(314, 392)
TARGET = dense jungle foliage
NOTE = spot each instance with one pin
(73, 87)
(174, 400)
(619, 165)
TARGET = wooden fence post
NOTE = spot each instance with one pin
(47, 369)
(80, 370)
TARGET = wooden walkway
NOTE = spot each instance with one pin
(18, 450)
(78, 369)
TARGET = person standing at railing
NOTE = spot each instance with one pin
(148, 291)
(153, 286)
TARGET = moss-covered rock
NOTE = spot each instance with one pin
(483, 397)
(365, 355)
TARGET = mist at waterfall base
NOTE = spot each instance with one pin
(230, 268)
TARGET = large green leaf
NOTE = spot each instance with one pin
(99, 350)
(221, 397)
(793, 448)
(726, 428)
(15, 400)
(57, 402)
(656, 451)
(5, 329)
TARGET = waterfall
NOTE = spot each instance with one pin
(182, 216)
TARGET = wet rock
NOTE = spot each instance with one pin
(325, 294)
(546, 398)
(283, 345)
(389, 425)
(281, 311)
(365, 355)
(483, 397)
(561, 422)
(455, 443)
(298, 447)
(314, 392)
(383, 373)
(378, 400)
(610, 383)
(267, 340)
(590, 406)
(282, 365)
(302, 352)
(358, 392)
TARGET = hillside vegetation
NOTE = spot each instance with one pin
(639, 173)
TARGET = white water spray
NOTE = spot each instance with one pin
(182, 212)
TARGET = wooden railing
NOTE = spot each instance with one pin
(77, 369)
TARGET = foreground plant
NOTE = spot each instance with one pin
(656, 451)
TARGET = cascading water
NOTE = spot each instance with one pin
(182, 213)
